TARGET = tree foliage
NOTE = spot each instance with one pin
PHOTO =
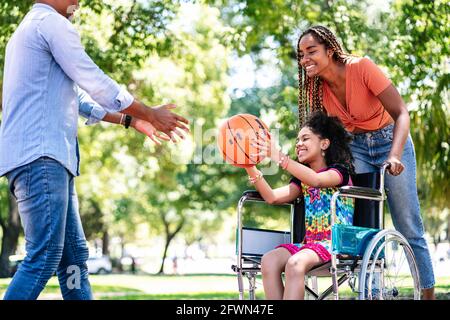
(410, 41)
(180, 51)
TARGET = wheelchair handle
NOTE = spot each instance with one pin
(385, 166)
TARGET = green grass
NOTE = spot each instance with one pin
(181, 296)
(185, 287)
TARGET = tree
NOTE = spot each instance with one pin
(139, 29)
(179, 198)
(11, 13)
(417, 57)
(410, 40)
(11, 229)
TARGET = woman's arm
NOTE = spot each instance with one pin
(284, 194)
(395, 106)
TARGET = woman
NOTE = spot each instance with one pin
(356, 91)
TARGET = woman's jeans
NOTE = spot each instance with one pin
(370, 150)
(55, 241)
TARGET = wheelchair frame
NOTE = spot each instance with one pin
(341, 268)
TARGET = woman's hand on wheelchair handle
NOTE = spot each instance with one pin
(395, 167)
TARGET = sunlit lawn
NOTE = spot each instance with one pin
(169, 287)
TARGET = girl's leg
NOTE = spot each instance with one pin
(272, 266)
(296, 268)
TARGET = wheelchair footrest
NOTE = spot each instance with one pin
(256, 269)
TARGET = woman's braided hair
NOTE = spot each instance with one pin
(332, 129)
(310, 90)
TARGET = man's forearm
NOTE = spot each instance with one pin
(113, 118)
(117, 118)
(139, 110)
(160, 117)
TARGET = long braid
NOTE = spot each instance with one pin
(302, 108)
(310, 97)
(303, 93)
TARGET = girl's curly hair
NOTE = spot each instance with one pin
(332, 129)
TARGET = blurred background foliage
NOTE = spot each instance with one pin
(216, 58)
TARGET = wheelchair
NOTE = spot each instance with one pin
(377, 263)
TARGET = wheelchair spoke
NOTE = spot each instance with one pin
(399, 276)
(398, 285)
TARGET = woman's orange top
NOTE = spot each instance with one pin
(364, 81)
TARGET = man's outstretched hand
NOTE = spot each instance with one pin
(161, 118)
(164, 120)
(149, 130)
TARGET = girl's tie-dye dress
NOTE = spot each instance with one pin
(318, 215)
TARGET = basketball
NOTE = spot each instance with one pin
(235, 138)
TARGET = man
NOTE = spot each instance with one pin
(46, 71)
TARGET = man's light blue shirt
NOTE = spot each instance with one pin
(48, 81)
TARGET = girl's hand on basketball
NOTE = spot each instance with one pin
(267, 147)
(149, 130)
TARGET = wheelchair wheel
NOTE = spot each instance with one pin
(389, 270)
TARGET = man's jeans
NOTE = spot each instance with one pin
(370, 150)
(55, 241)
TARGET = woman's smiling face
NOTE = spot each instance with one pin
(314, 57)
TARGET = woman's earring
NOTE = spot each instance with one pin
(323, 153)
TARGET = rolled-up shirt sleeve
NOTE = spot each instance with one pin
(89, 109)
(66, 48)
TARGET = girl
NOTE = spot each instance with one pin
(356, 91)
(324, 163)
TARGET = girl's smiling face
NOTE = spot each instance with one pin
(309, 146)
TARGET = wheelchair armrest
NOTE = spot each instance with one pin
(359, 191)
(253, 195)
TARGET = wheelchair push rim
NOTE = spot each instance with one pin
(389, 270)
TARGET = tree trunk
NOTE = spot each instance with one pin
(166, 247)
(122, 250)
(169, 238)
(11, 232)
(448, 228)
(105, 243)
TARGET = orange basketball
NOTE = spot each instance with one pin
(234, 139)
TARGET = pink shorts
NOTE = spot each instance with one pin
(323, 253)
